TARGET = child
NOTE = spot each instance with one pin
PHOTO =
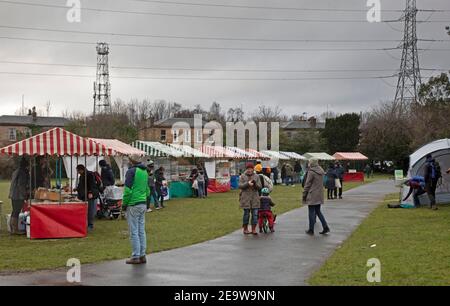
(265, 210)
(201, 184)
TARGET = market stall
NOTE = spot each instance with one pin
(168, 157)
(121, 151)
(352, 175)
(56, 213)
(219, 170)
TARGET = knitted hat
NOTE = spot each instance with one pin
(249, 165)
(258, 168)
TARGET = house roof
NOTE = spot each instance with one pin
(28, 120)
(169, 122)
(296, 125)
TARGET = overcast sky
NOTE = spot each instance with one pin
(294, 97)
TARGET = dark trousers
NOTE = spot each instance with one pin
(416, 194)
(340, 189)
(431, 191)
(330, 193)
(206, 188)
(17, 206)
(314, 211)
(92, 211)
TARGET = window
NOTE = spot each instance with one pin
(12, 134)
(187, 135)
(175, 135)
(163, 135)
(199, 135)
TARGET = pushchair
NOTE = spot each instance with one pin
(110, 204)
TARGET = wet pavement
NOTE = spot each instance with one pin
(286, 257)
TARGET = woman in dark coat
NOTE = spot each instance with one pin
(330, 183)
(18, 193)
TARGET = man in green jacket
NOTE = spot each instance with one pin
(135, 202)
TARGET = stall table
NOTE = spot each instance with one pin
(180, 189)
(51, 221)
(219, 185)
(354, 177)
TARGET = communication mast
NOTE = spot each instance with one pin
(102, 87)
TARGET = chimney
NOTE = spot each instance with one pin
(34, 114)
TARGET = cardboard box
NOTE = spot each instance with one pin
(44, 194)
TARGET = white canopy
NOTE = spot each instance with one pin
(275, 155)
(318, 156)
(293, 155)
(440, 151)
(188, 151)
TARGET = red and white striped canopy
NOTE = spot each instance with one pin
(220, 152)
(59, 142)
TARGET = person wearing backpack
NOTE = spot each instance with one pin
(265, 181)
(88, 190)
(432, 175)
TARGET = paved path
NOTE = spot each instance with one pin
(287, 257)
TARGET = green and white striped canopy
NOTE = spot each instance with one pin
(156, 149)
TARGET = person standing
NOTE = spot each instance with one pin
(289, 175)
(135, 198)
(297, 171)
(201, 184)
(159, 185)
(283, 174)
(205, 173)
(432, 174)
(330, 183)
(18, 193)
(275, 175)
(340, 176)
(87, 190)
(249, 184)
(106, 174)
(313, 196)
(151, 185)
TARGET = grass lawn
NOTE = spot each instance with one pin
(413, 246)
(184, 222)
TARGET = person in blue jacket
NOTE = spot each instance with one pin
(416, 188)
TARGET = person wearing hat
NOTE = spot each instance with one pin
(106, 174)
(135, 198)
(250, 185)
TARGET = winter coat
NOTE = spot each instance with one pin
(266, 203)
(19, 185)
(297, 168)
(107, 176)
(340, 171)
(249, 197)
(136, 186)
(266, 182)
(91, 186)
(151, 179)
(289, 170)
(330, 181)
(313, 191)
